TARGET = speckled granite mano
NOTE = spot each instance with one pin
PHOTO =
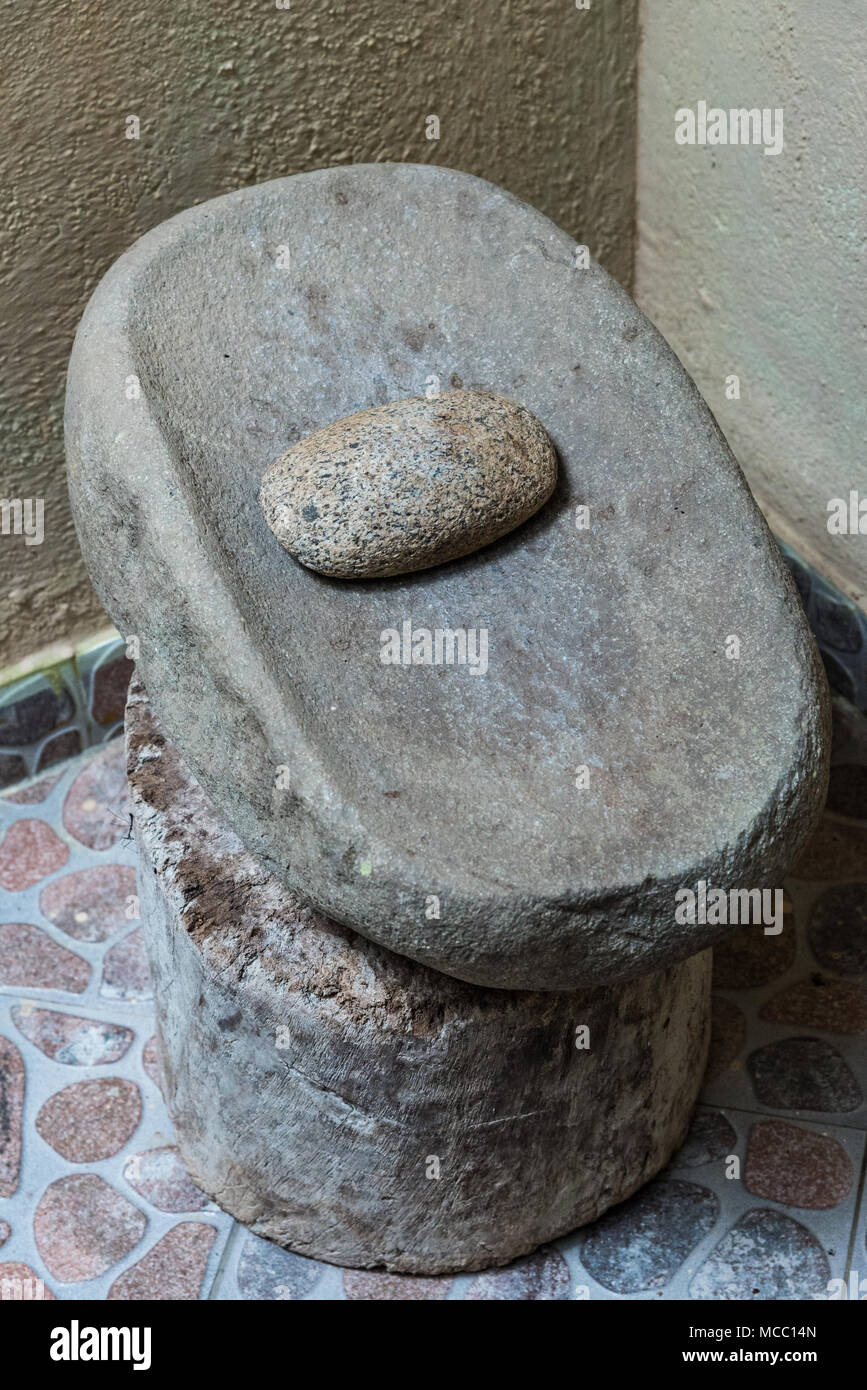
(404, 486)
(525, 825)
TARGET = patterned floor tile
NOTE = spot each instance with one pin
(761, 1201)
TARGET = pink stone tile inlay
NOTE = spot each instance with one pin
(359, 1285)
(34, 792)
(799, 1167)
(95, 810)
(83, 1227)
(30, 958)
(125, 970)
(29, 852)
(159, 1175)
(72, 1041)
(821, 1001)
(91, 904)
(90, 1120)
(173, 1269)
(150, 1060)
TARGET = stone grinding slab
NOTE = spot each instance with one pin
(385, 792)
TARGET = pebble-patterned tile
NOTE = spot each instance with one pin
(96, 809)
(32, 717)
(33, 792)
(266, 1273)
(380, 1287)
(641, 1243)
(173, 1269)
(125, 970)
(766, 1255)
(796, 1166)
(29, 852)
(31, 959)
(759, 1202)
(91, 904)
(83, 1226)
(110, 683)
(837, 849)
(803, 1074)
(544, 1275)
(161, 1177)
(710, 1137)
(13, 768)
(837, 930)
(150, 1060)
(90, 1120)
(71, 1040)
(58, 749)
(821, 1002)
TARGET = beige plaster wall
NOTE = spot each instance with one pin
(756, 265)
(538, 97)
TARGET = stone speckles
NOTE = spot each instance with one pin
(29, 958)
(74, 1042)
(160, 1176)
(641, 1243)
(90, 1120)
(266, 1273)
(414, 483)
(83, 1226)
(803, 1074)
(91, 904)
(765, 1255)
(838, 928)
(125, 973)
(30, 851)
(790, 1164)
(95, 809)
(173, 1269)
(541, 1276)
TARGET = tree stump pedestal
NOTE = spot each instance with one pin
(359, 1108)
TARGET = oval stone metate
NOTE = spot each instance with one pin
(526, 820)
(411, 484)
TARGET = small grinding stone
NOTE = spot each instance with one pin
(404, 486)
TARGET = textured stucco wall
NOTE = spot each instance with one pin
(754, 264)
(538, 97)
